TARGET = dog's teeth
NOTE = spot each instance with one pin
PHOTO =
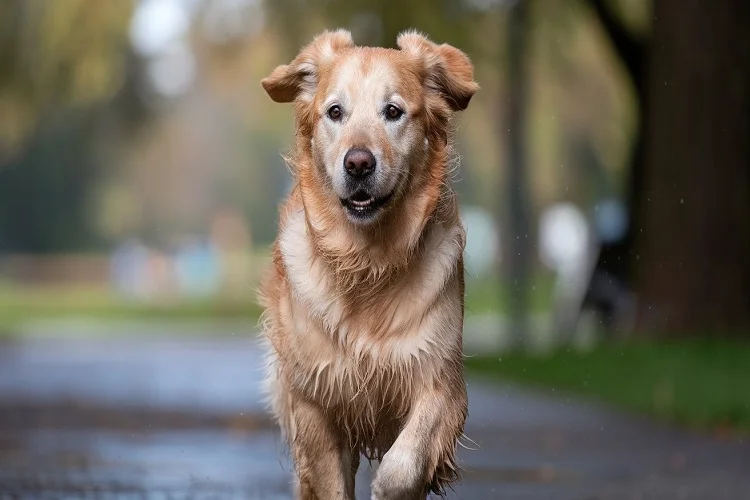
(362, 203)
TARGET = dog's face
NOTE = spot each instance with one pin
(370, 114)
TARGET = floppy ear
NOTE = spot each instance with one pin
(449, 71)
(299, 78)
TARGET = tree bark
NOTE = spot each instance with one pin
(692, 249)
(614, 265)
(517, 256)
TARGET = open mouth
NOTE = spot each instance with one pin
(363, 204)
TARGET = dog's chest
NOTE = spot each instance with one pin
(394, 310)
(341, 353)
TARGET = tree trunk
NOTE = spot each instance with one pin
(692, 249)
(611, 280)
(517, 256)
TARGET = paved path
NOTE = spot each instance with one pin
(181, 418)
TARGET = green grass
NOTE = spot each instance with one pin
(20, 304)
(489, 295)
(700, 384)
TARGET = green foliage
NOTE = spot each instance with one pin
(378, 23)
(703, 384)
(44, 192)
(489, 295)
(59, 53)
(59, 61)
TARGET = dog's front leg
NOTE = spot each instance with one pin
(425, 446)
(325, 468)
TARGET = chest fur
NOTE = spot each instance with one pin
(341, 349)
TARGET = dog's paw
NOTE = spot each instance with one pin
(399, 477)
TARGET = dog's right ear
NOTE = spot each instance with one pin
(299, 78)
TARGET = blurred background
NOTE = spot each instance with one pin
(604, 183)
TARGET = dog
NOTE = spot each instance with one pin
(364, 301)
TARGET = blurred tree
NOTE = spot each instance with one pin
(61, 65)
(612, 275)
(54, 54)
(693, 242)
(518, 261)
(376, 23)
(689, 188)
(44, 191)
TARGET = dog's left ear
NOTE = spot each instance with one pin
(299, 78)
(449, 71)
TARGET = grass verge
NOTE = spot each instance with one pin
(490, 295)
(20, 305)
(699, 384)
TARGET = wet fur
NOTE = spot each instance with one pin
(364, 324)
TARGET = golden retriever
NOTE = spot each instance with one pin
(364, 301)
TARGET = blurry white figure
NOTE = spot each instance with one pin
(482, 241)
(157, 24)
(565, 246)
(158, 32)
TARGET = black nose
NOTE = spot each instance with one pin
(359, 162)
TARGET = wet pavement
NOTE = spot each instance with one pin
(181, 417)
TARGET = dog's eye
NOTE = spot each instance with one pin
(334, 113)
(392, 113)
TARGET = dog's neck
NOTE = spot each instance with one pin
(373, 255)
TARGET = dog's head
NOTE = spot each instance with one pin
(370, 119)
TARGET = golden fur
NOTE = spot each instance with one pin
(364, 321)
